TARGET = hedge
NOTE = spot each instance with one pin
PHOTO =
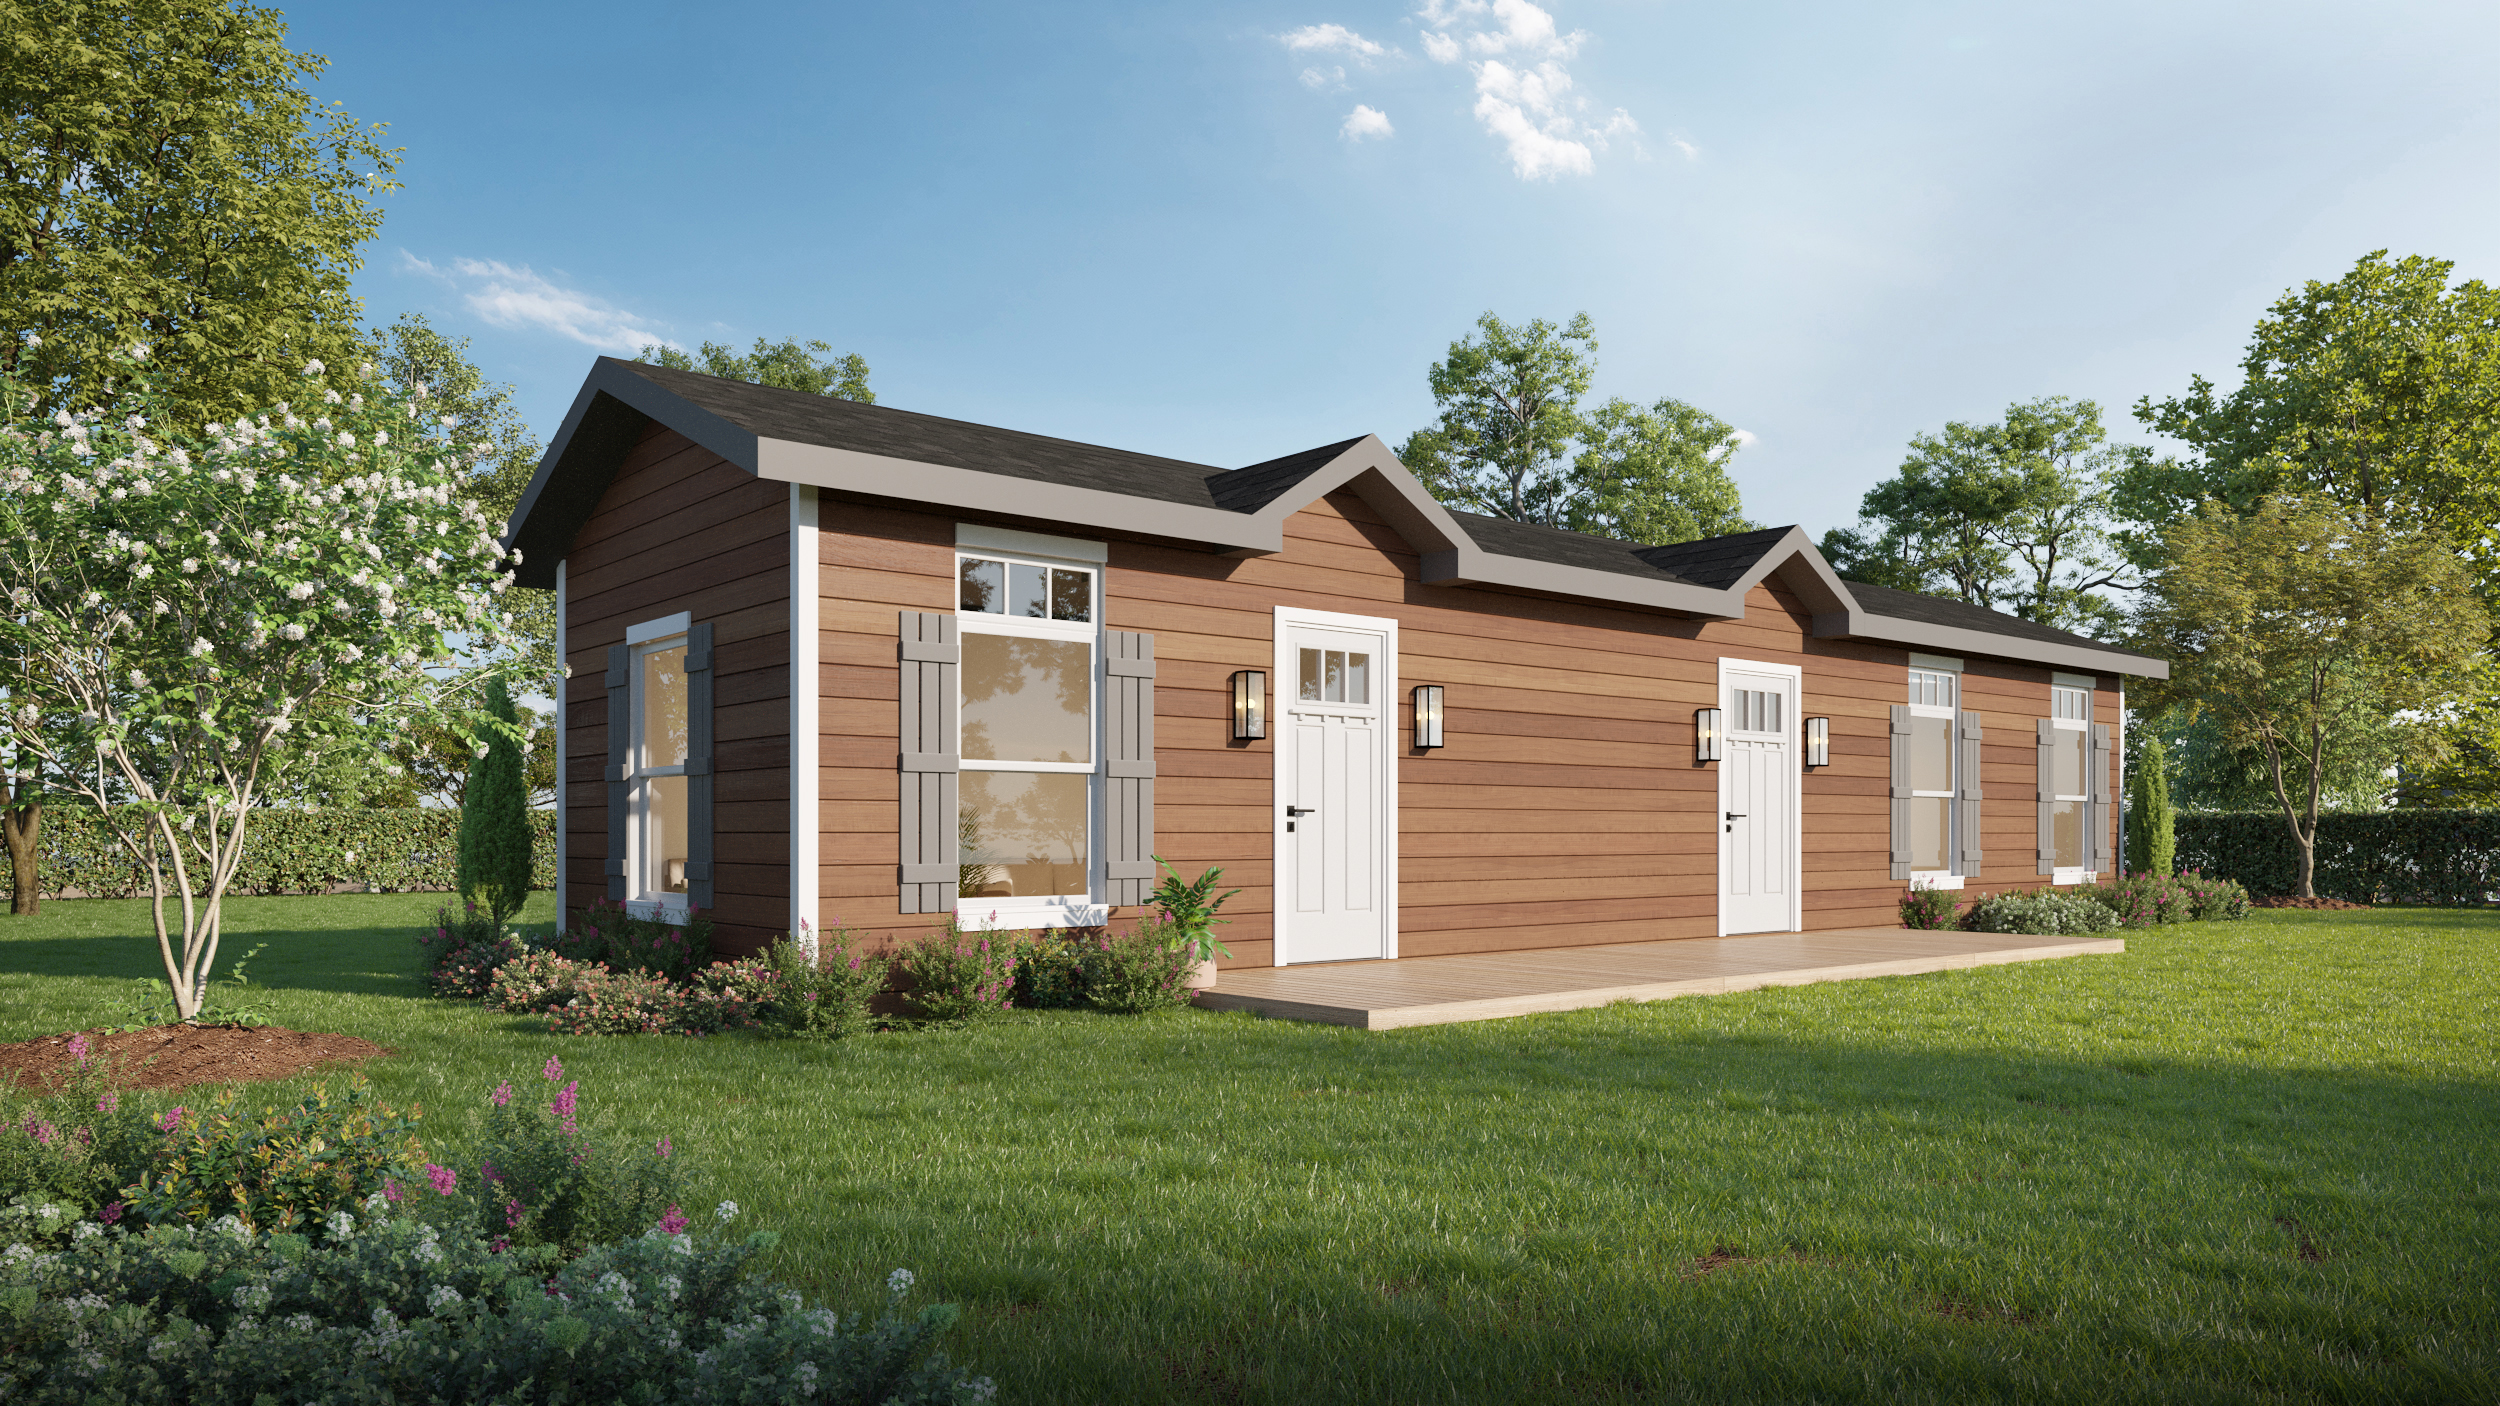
(411, 850)
(2446, 858)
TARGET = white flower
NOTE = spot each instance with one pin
(138, 679)
(85, 1230)
(430, 1252)
(290, 631)
(304, 1323)
(301, 590)
(252, 1296)
(342, 1225)
(33, 341)
(143, 570)
(190, 566)
(311, 368)
(984, 1389)
(442, 1297)
(727, 1211)
(138, 351)
(381, 437)
(899, 1282)
(200, 647)
(480, 754)
(346, 440)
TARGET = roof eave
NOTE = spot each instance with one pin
(1954, 639)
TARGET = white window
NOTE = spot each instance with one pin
(1030, 739)
(655, 871)
(2070, 750)
(1935, 849)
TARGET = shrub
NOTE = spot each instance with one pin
(1050, 967)
(2212, 900)
(282, 1169)
(540, 1179)
(2142, 900)
(1143, 969)
(494, 839)
(956, 975)
(2152, 825)
(410, 849)
(612, 936)
(462, 952)
(534, 981)
(2439, 857)
(396, 1309)
(2040, 912)
(823, 995)
(69, 1145)
(1928, 909)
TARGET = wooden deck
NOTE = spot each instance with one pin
(1488, 986)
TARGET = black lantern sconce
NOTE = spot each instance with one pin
(1249, 705)
(1818, 742)
(1709, 738)
(1427, 715)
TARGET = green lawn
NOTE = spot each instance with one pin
(2243, 1162)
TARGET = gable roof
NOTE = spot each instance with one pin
(931, 462)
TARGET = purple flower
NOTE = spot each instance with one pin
(563, 1106)
(443, 1178)
(512, 1214)
(110, 1214)
(666, 1148)
(554, 1069)
(108, 1103)
(392, 1193)
(674, 1223)
(171, 1120)
(502, 1094)
(78, 1048)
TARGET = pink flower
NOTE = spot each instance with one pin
(502, 1094)
(392, 1193)
(512, 1214)
(110, 1213)
(666, 1148)
(43, 1134)
(171, 1120)
(108, 1103)
(674, 1223)
(443, 1178)
(78, 1048)
(487, 1170)
(499, 1246)
(554, 1069)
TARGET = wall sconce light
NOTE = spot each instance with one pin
(1249, 704)
(1427, 715)
(1818, 742)
(1708, 736)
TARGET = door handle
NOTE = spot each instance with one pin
(1733, 815)
(1292, 811)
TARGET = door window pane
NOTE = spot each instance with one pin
(1931, 753)
(1023, 834)
(1071, 594)
(664, 835)
(1931, 823)
(984, 586)
(2066, 750)
(2066, 830)
(1310, 676)
(1028, 590)
(1332, 684)
(664, 707)
(1358, 678)
(1027, 700)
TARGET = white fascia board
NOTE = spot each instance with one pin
(1882, 629)
(940, 487)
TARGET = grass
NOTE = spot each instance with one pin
(2243, 1162)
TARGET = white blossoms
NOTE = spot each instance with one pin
(899, 1282)
(200, 647)
(442, 1296)
(290, 631)
(346, 440)
(301, 590)
(314, 367)
(727, 1211)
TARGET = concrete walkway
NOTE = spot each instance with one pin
(1488, 986)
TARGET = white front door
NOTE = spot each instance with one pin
(1758, 872)
(1332, 780)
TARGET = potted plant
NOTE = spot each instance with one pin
(1189, 916)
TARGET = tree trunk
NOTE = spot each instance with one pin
(2307, 872)
(22, 826)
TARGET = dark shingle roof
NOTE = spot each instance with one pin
(1936, 610)
(1716, 562)
(1248, 490)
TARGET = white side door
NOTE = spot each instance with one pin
(1758, 829)
(1333, 882)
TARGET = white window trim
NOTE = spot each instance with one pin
(649, 637)
(1001, 544)
(2077, 875)
(1949, 877)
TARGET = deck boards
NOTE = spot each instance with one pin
(1491, 985)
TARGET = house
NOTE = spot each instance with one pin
(833, 662)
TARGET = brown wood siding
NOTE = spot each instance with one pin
(679, 528)
(1566, 808)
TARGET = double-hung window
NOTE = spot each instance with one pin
(1031, 746)
(1935, 699)
(656, 779)
(2068, 796)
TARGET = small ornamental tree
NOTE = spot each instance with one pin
(2152, 826)
(495, 834)
(175, 608)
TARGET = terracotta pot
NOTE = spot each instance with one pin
(1202, 975)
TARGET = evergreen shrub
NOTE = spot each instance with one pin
(2440, 858)
(412, 849)
(1142, 969)
(2042, 912)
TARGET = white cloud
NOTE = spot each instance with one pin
(1317, 78)
(1366, 122)
(1527, 102)
(1331, 39)
(521, 297)
(1691, 152)
(1747, 439)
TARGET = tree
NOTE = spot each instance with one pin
(2011, 513)
(177, 605)
(165, 177)
(2152, 827)
(2303, 612)
(788, 364)
(2380, 391)
(495, 841)
(1509, 399)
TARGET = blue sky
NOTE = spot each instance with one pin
(1225, 232)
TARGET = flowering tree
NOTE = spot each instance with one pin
(174, 609)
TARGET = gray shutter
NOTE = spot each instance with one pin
(2096, 815)
(2048, 797)
(1128, 802)
(1900, 791)
(699, 766)
(620, 733)
(932, 854)
(1968, 770)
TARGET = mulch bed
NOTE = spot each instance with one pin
(178, 1056)
(2304, 903)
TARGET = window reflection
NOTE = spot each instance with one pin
(1071, 595)
(984, 586)
(664, 707)
(1027, 700)
(1023, 834)
(2066, 830)
(1931, 823)
(1931, 753)
(664, 834)
(2066, 761)
(1028, 590)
